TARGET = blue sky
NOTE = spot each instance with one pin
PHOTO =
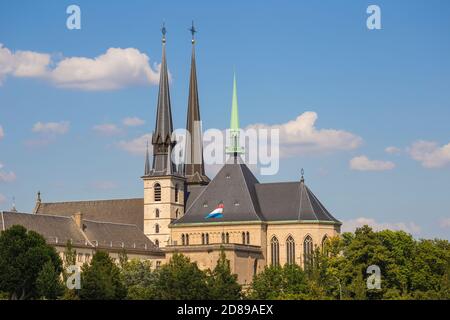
(388, 87)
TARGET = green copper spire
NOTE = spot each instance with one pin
(234, 147)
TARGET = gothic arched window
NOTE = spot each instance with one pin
(187, 239)
(275, 251)
(243, 238)
(207, 238)
(203, 238)
(307, 252)
(248, 237)
(223, 237)
(324, 243)
(227, 237)
(157, 213)
(156, 228)
(183, 239)
(290, 250)
(157, 189)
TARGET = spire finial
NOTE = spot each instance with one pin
(38, 197)
(303, 173)
(193, 32)
(164, 31)
(234, 148)
(13, 209)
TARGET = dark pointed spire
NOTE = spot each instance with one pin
(194, 168)
(162, 136)
(147, 162)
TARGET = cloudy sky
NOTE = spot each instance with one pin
(365, 112)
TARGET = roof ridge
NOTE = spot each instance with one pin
(108, 222)
(309, 201)
(87, 201)
(38, 214)
(248, 191)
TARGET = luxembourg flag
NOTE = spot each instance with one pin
(217, 213)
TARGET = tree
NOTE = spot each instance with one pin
(287, 282)
(139, 280)
(70, 256)
(48, 282)
(181, 279)
(23, 255)
(222, 283)
(101, 280)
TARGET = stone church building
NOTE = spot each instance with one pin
(262, 224)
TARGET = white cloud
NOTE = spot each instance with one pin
(133, 122)
(445, 223)
(107, 129)
(2, 133)
(23, 63)
(393, 150)
(6, 176)
(115, 69)
(351, 225)
(136, 146)
(300, 136)
(430, 154)
(362, 163)
(51, 127)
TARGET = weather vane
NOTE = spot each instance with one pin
(193, 31)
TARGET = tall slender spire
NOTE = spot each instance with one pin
(234, 147)
(194, 168)
(147, 162)
(162, 136)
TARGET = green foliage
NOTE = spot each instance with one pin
(101, 280)
(181, 279)
(23, 255)
(288, 282)
(222, 283)
(139, 280)
(48, 282)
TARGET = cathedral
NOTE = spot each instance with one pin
(261, 223)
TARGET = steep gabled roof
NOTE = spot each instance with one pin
(128, 211)
(234, 186)
(290, 201)
(60, 229)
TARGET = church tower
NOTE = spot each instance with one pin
(163, 186)
(194, 168)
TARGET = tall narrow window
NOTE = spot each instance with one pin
(223, 237)
(307, 252)
(275, 250)
(183, 239)
(157, 189)
(248, 237)
(187, 239)
(203, 238)
(157, 242)
(156, 228)
(243, 238)
(324, 243)
(227, 237)
(176, 193)
(157, 213)
(290, 250)
(207, 238)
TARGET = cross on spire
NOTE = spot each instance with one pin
(164, 31)
(193, 31)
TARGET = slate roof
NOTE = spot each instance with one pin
(127, 211)
(234, 186)
(245, 199)
(60, 229)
